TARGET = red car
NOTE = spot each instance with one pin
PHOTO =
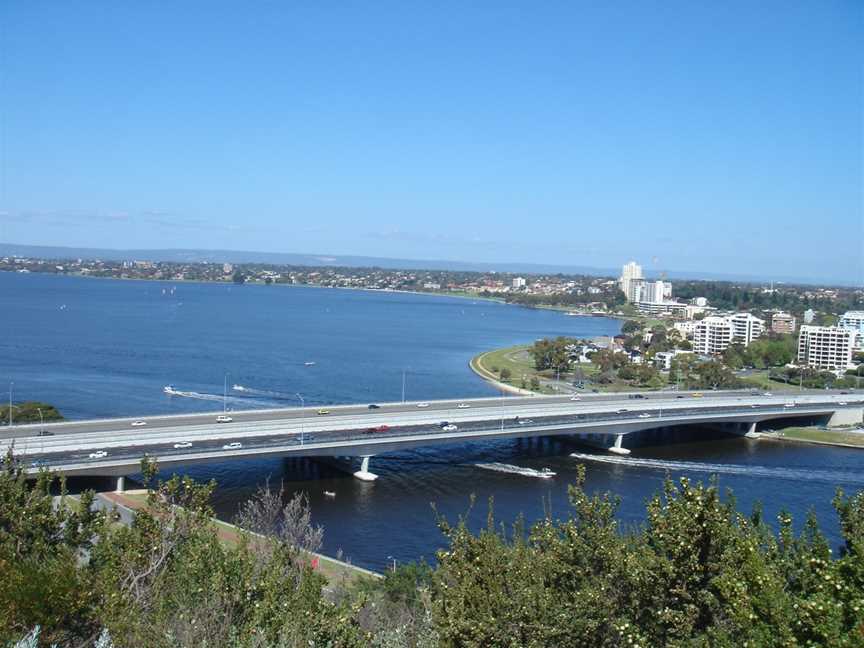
(380, 428)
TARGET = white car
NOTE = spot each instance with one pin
(182, 445)
(841, 403)
(223, 418)
(450, 428)
(234, 445)
(644, 415)
(767, 394)
(575, 398)
(99, 454)
(463, 406)
(138, 423)
(788, 404)
(422, 404)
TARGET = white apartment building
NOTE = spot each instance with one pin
(745, 327)
(631, 273)
(712, 335)
(826, 347)
(854, 320)
(687, 329)
(518, 282)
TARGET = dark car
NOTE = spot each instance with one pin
(45, 433)
(374, 406)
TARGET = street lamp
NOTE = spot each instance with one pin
(10, 402)
(302, 415)
(394, 562)
(404, 371)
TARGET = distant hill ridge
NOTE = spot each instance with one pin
(333, 260)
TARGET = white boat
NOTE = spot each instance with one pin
(310, 363)
(169, 389)
(545, 473)
(329, 494)
(240, 388)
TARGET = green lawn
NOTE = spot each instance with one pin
(823, 436)
(761, 380)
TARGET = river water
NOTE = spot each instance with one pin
(99, 348)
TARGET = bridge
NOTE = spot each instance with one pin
(114, 447)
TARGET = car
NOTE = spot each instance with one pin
(463, 406)
(644, 415)
(234, 445)
(575, 398)
(525, 421)
(697, 394)
(323, 412)
(767, 394)
(842, 403)
(138, 423)
(44, 433)
(180, 445)
(844, 392)
(788, 404)
(450, 428)
(754, 407)
(380, 428)
(422, 404)
(679, 396)
(374, 406)
(623, 410)
(39, 463)
(99, 454)
(223, 418)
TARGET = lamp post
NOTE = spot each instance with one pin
(394, 562)
(225, 395)
(302, 415)
(10, 402)
(403, 384)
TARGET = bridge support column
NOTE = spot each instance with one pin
(363, 474)
(121, 485)
(618, 448)
(751, 432)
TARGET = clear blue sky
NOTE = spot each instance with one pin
(715, 136)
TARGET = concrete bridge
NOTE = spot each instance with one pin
(366, 431)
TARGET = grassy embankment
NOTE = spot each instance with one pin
(29, 412)
(819, 435)
(333, 570)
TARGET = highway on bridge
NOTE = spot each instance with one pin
(363, 431)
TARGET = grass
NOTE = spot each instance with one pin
(333, 570)
(819, 435)
(761, 380)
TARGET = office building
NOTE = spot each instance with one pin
(826, 347)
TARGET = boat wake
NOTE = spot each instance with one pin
(170, 391)
(517, 470)
(263, 393)
(771, 472)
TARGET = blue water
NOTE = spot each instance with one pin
(98, 348)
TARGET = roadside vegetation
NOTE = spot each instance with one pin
(29, 412)
(695, 573)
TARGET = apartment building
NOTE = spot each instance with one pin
(631, 279)
(854, 320)
(712, 335)
(782, 323)
(745, 328)
(826, 347)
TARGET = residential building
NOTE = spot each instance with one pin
(826, 347)
(745, 327)
(854, 320)
(809, 314)
(782, 322)
(227, 268)
(631, 277)
(663, 359)
(658, 308)
(712, 335)
(687, 329)
(518, 282)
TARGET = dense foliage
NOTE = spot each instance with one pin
(29, 412)
(696, 573)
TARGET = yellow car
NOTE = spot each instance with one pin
(697, 395)
(322, 412)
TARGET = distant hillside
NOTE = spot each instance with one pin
(322, 260)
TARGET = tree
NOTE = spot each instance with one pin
(238, 277)
(506, 374)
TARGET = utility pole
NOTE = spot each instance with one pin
(302, 415)
(225, 395)
(403, 385)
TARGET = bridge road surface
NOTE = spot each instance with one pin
(351, 430)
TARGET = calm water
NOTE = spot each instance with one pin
(99, 348)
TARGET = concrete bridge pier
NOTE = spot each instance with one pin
(848, 416)
(121, 485)
(363, 474)
(618, 448)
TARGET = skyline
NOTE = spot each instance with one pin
(719, 140)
